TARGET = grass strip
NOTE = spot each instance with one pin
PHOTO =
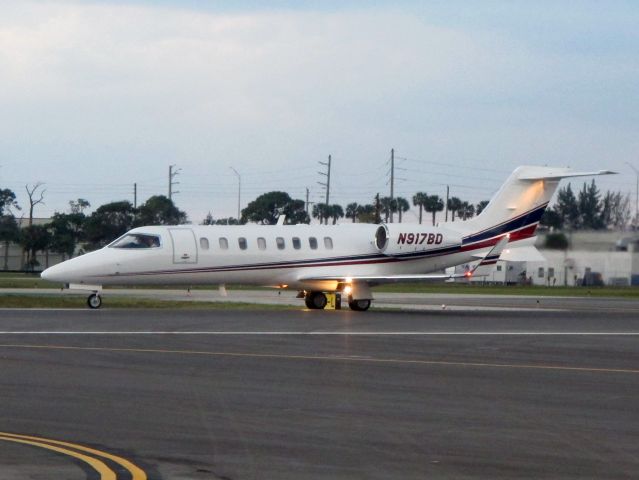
(76, 301)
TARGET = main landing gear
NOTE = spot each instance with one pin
(318, 300)
(315, 300)
(94, 301)
(358, 305)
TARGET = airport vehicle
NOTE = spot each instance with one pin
(319, 259)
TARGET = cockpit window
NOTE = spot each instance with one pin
(137, 240)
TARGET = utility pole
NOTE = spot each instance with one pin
(636, 195)
(392, 183)
(172, 175)
(135, 195)
(306, 204)
(378, 214)
(446, 204)
(239, 192)
(327, 185)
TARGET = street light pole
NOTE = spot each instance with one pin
(636, 193)
(239, 192)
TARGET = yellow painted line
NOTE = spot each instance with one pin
(105, 472)
(136, 472)
(333, 358)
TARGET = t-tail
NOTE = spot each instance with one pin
(518, 206)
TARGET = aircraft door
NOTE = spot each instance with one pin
(184, 245)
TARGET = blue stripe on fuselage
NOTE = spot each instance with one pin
(528, 218)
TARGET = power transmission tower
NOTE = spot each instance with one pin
(239, 192)
(392, 183)
(327, 185)
(308, 204)
(172, 175)
(446, 204)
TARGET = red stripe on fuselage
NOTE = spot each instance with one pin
(526, 232)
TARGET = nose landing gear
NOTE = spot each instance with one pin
(94, 301)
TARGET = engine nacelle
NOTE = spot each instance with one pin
(399, 239)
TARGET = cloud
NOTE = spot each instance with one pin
(118, 91)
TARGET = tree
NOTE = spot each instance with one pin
(9, 232)
(366, 213)
(335, 212)
(7, 201)
(321, 211)
(79, 205)
(34, 238)
(419, 200)
(567, 208)
(454, 204)
(35, 197)
(266, 209)
(481, 206)
(108, 222)
(433, 204)
(388, 206)
(466, 211)
(209, 220)
(615, 210)
(67, 230)
(590, 207)
(551, 219)
(556, 241)
(351, 211)
(160, 210)
(402, 206)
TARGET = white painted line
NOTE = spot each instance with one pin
(316, 333)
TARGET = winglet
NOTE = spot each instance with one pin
(492, 256)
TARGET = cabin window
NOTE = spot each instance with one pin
(242, 243)
(312, 242)
(280, 243)
(261, 243)
(297, 244)
(328, 243)
(137, 240)
(224, 243)
(204, 243)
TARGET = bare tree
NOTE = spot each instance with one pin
(35, 197)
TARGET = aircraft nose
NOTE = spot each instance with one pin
(52, 274)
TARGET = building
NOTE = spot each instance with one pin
(592, 258)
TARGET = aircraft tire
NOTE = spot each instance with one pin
(316, 300)
(94, 301)
(359, 305)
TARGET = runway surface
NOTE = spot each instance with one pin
(461, 393)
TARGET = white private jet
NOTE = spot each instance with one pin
(319, 259)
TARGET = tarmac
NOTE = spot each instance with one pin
(497, 387)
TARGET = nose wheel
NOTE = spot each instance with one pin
(94, 301)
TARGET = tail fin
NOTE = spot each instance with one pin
(520, 202)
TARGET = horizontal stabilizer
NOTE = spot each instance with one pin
(546, 173)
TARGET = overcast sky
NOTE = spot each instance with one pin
(96, 96)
